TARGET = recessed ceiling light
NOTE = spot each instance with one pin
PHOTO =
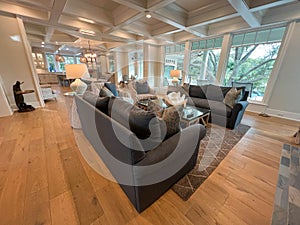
(148, 15)
(87, 32)
(43, 42)
(42, 46)
(86, 20)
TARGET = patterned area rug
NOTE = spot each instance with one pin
(213, 149)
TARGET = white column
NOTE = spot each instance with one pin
(226, 46)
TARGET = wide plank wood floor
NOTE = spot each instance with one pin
(45, 180)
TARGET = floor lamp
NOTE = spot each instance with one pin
(77, 71)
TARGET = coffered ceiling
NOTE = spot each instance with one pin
(110, 24)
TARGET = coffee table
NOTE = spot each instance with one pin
(145, 102)
(192, 115)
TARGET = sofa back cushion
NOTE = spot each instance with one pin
(145, 125)
(142, 87)
(214, 93)
(197, 91)
(100, 103)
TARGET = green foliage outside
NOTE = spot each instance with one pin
(253, 63)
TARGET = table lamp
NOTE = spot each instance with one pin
(77, 71)
(175, 74)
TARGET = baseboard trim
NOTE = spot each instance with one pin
(256, 108)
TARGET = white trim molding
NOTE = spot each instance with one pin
(262, 108)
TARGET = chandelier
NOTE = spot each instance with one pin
(59, 57)
(89, 56)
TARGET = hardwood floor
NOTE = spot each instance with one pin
(45, 180)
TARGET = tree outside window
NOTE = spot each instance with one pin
(204, 60)
(252, 58)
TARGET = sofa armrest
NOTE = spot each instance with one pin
(183, 141)
(237, 114)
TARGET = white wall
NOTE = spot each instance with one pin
(15, 61)
(285, 98)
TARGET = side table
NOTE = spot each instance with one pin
(72, 110)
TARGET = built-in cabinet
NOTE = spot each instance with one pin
(39, 61)
(48, 78)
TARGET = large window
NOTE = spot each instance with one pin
(54, 66)
(204, 60)
(51, 62)
(135, 60)
(252, 57)
(174, 57)
(111, 63)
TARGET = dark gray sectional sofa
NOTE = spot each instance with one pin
(144, 168)
(211, 97)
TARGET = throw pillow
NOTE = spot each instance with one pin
(139, 121)
(142, 87)
(231, 97)
(155, 108)
(90, 97)
(105, 92)
(112, 87)
(171, 116)
(102, 104)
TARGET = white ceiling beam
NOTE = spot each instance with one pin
(121, 22)
(57, 10)
(155, 5)
(167, 29)
(23, 11)
(227, 26)
(177, 24)
(196, 23)
(134, 4)
(270, 5)
(211, 16)
(49, 33)
(139, 29)
(283, 13)
(242, 8)
(183, 36)
(88, 11)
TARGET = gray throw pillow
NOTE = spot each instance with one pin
(231, 97)
(142, 87)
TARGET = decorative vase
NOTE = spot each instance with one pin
(78, 86)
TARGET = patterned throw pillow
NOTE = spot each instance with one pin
(171, 116)
(231, 97)
(155, 108)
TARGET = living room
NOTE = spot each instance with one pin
(42, 166)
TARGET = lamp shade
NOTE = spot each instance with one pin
(74, 71)
(175, 73)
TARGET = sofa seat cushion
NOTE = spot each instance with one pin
(220, 108)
